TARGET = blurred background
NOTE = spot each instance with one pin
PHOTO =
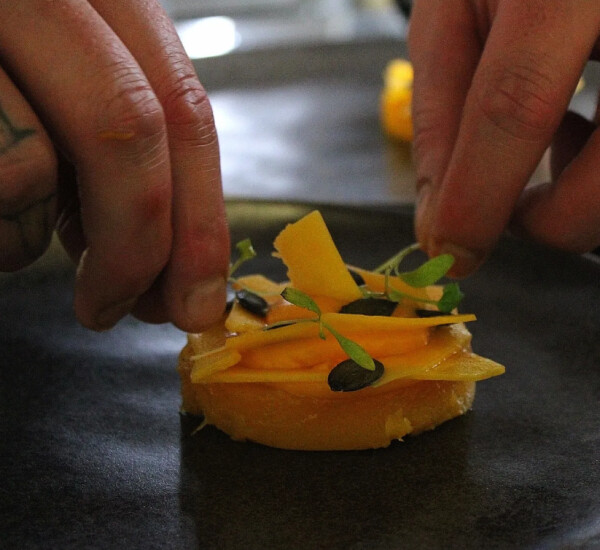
(295, 87)
(251, 24)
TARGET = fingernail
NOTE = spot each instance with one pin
(465, 261)
(110, 315)
(205, 302)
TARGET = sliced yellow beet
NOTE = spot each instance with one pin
(241, 320)
(376, 282)
(345, 323)
(284, 311)
(314, 263)
(207, 364)
(446, 357)
(466, 366)
(236, 374)
(268, 289)
(305, 352)
(348, 322)
(443, 343)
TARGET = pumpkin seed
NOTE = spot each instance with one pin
(350, 376)
(252, 302)
(370, 306)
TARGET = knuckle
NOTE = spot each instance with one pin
(131, 115)
(188, 111)
(519, 99)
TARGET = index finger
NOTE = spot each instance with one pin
(530, 65)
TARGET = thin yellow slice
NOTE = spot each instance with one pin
(314, 263)
(345, 323)
(463, 367)
(208, 364)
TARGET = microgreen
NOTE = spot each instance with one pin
(428, 273)
(450, 298)
(352, 349)
(245, 252)
(300, 299)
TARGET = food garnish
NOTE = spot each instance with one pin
(375, 302)
(294, 363)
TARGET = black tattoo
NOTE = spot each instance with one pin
(10, 135)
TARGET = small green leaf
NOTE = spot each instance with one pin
(245, 252)
(450, 298)
(353, 350)
(300, 299)
(245, 249)
(430, 272)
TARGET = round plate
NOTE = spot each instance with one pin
(95, 454)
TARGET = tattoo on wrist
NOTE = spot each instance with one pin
(11, 135)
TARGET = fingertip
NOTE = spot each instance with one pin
(466, 260)
(201, 306)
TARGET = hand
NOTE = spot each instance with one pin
(105, 127)
(493, 80)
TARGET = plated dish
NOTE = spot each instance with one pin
(94, 450)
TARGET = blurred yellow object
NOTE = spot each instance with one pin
(396, 99)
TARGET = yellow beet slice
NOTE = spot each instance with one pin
(240, 320)
(284, 311)
(376, 282)
(314, 263)
(446, 357)
(305, 352)
(345, 323)
(207, 364)
(463, 366)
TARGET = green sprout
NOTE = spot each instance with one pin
(245, 252)
(351, 348)
(427, 274)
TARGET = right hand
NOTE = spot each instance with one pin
(492, 84)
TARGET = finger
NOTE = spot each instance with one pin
(565, 214)
(193, 283)
(569, 139)
(444, 51)
(111, 125)
(27, 181)
(529, 68)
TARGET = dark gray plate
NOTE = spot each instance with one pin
(95, 455)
